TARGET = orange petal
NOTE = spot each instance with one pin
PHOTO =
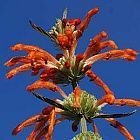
(127, 54)
(29, 48)
(51, 125)
(26, 123)
(47, 85)
(121, 128)
(83, 25)
(108, 98)
(97, 80)
(129, 102)
(42, 133)
(93, 47)
(38, 127)
(18, 59)
(16, 70)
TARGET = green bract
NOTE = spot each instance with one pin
(87, 107)
(72, 74)
(88, 136)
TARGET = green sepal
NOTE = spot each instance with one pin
(88, 136)
(87, 107)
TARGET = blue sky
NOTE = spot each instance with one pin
(121, 19)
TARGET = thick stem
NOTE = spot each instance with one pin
(83, 125)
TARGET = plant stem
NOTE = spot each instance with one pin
(83, 125)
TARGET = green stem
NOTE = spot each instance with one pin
(83, 125)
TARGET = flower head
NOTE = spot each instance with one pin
(69, 68)
(80, 109)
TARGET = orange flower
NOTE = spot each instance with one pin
(68, 68)
(79, 106)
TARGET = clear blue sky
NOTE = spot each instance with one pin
(120, 18)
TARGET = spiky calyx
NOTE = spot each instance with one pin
(88, 136)
(87, 105)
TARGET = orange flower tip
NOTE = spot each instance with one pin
(93, 11)
(67, 65)
(77, 90)
(112, 44)
(9, 76)
(131, 52)
(103, 34)
(79, 57)
(16, 131)
(29, 88)
(7, 63)
(130, 58)
(15, 47)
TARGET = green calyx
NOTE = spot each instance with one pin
(73, 73)
(87, 106)
(88, 136)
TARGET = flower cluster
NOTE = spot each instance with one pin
(69, 68)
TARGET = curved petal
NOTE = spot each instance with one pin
(121, 128)
(51, 125)
(37, 128)
(129, 102)
(127, 54)
(28, 49)
(27, 122)
(17, 59)
(83, 25)
(19, 69)
(47, 85)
